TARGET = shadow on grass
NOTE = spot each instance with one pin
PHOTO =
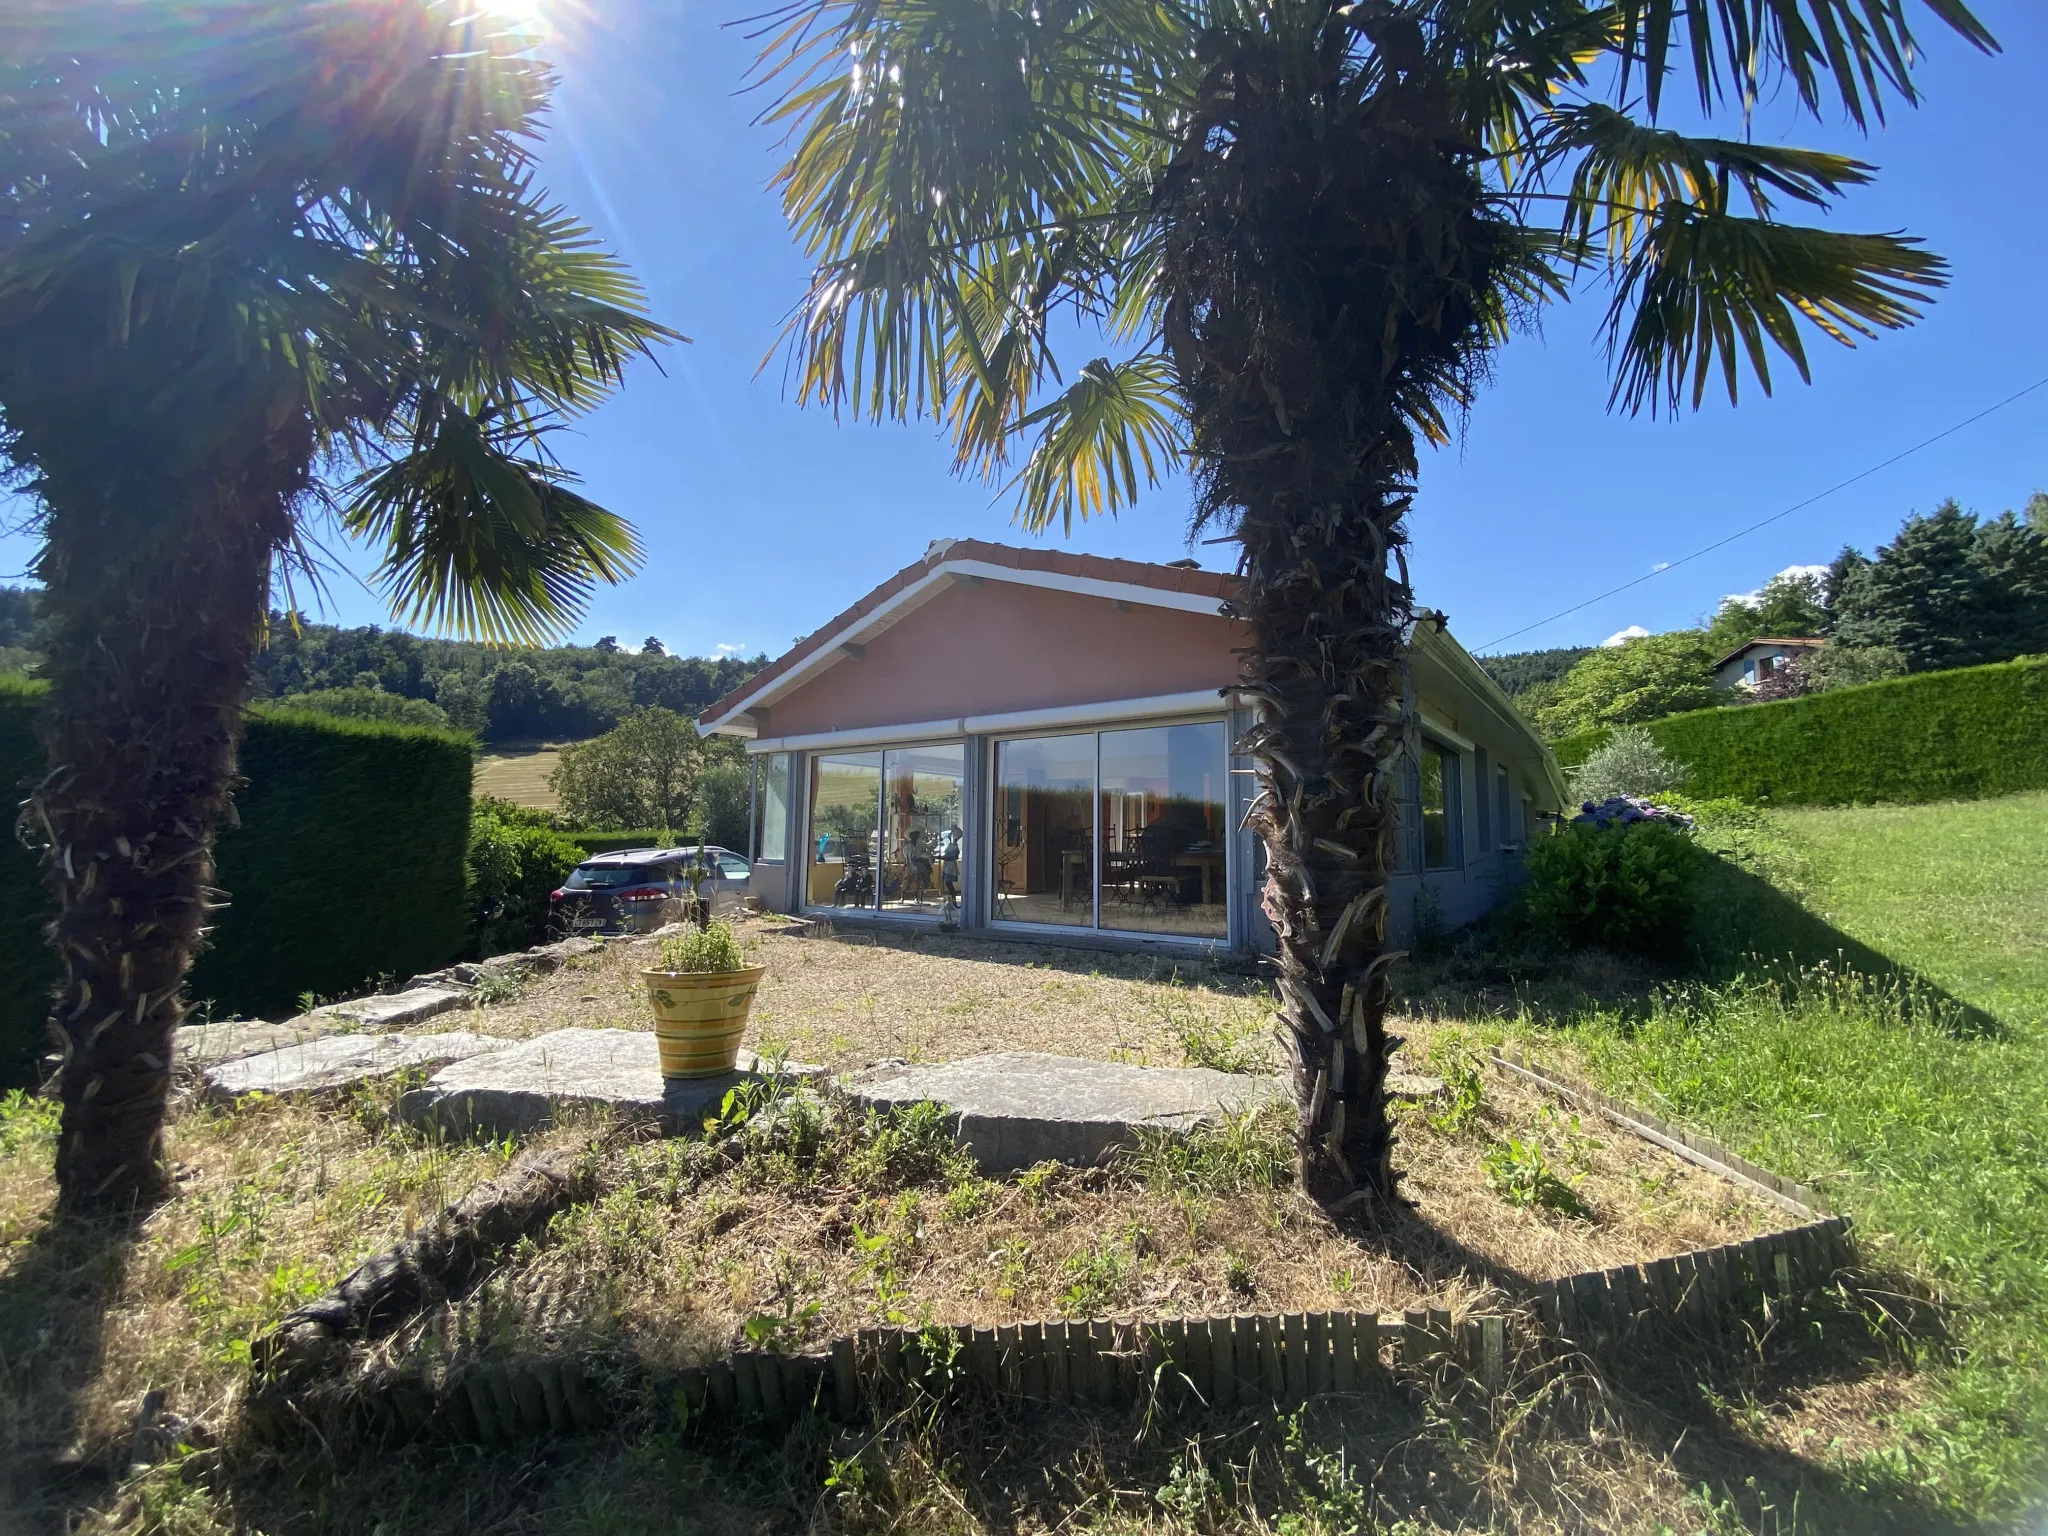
(54, 1299)
(1744, 928)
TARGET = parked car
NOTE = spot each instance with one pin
(636, 890)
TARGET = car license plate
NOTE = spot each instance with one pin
(588, 922)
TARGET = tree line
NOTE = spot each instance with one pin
(1950, 590)
(502, 693)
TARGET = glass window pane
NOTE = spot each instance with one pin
(1438, 787)
(846, 796)
(774, 824)
(1044, 865)
(1163, 834)
(921, 830)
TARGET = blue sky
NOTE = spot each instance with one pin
(761, 519)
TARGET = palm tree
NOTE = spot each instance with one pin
(1302, 228)
(261, 257)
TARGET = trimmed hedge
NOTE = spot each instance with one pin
(348, 867)
(612, 842)
(1958, 735)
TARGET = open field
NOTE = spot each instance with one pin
(518, 771)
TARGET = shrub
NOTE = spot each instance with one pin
(1637, 680)
(515, 861)
(716, 948)
(1623, 885)
(1629, 762)
(1972, 732)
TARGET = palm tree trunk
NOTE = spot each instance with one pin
(1333, 269)
(155, 599)
(1326, 680)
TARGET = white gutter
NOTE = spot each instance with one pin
(1203, 701)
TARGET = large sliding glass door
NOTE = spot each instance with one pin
(888, 830)
(1122, 830)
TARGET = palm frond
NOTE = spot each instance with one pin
(1115, 421)
(1624, 171)
(483, 541)
(1857, 51)
(1708, 288)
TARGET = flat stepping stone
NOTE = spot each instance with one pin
(331, 1062)
(1013, 1109)
(393, 1010)
(204, 1045)
(514, 1090)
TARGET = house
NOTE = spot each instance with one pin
(1032, 743)
(1748, 665)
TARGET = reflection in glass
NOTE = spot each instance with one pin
(846, 798)
(774, 823)
(922, 836)
(1163, 830)
(1437, 791)
(1044, 866)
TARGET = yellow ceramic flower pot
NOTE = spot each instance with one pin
(699, 1017)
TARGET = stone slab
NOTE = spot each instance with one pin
(1016, 1108)
(203, 1045)
(395, 1010)
(1414, 1085)
(512, 1091)
(329, 1062)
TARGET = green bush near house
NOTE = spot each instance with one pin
(515, 860)
(1626, 888)
(1957, 735)
(347, 866)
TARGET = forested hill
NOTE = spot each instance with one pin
(1519, 671)
(561, 693)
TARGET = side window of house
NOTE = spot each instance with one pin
(773, 825)
(1439, 807)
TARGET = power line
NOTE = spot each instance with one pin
(1800, 506)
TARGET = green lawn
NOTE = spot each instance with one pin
(1917, 1099)
(1959, 892)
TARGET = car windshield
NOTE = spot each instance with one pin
(609, 877)
(732, 867)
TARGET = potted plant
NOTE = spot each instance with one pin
(701, 992)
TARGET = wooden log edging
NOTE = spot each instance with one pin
(1694, 1148)
(1183, 1365)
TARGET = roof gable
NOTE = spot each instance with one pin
(951, 562)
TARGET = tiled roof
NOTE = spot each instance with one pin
(1798, 642)
(1136, 573)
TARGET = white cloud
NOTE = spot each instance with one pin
(1661, 565)
(728, 650)
(1623, 636)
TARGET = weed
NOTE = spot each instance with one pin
(1191, 1493)
(782, 1330)
(1239, 1273)
(912, 1145)
(1012, 1264)
(498, 986)
(28, 1124)
(1239, 1151)
(969, 1198)
(1464, 1092)
(1520, 1174)
(1097, 1278)
(1241, 1044)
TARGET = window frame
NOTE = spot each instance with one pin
(1095, 930)
(1452, 780)
(874, 910)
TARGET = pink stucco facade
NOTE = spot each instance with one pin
(997, 647)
